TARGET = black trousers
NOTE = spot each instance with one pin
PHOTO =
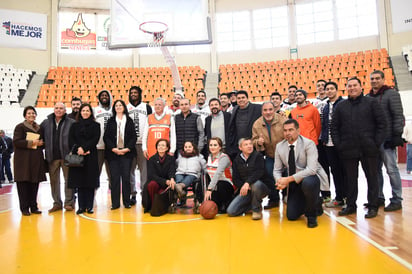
(338, 172)
(370, 167)
(223, 194)
(86, 197)
(120, 174)
(303, 198)
(27, 192)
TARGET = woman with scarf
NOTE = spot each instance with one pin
(83, 138)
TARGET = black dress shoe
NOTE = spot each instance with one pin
(372, 213)
(133, 200)
(36, 211)
(80, 211)
(347, 211)
(114, 207)
(393, 207)
(25, 213)
(312, 222)
(127, 206)
(90, 210)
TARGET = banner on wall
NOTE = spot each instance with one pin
(23, 29)
(79, 34)
(401, 15)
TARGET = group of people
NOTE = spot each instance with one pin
(245, 150)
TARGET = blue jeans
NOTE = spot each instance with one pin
(388, 157)
(186, 179)
(253, 200)
(409, 157)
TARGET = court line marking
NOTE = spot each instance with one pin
(6, 210)
(139, 222)
(343, 221)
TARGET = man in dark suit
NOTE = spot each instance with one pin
(300, 157)
(241, 121)
(217, 124)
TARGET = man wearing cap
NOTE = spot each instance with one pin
(307, 116)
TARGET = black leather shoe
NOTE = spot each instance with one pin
(393, 207)
(114, 207)
(90, 210)
(372, 213)
(312, 222)
(127, 206)
(36, 211)
(347, 211)
(25, 213)
(80, 211)
(133, 200)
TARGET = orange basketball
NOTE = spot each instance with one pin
(208, 209)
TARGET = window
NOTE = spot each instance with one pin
(192, 49)
(314, 22)
(270, 28)
(233, 31)
(356, 18)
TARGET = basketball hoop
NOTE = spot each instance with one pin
(157, 31)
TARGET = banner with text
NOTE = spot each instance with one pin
(23, 29)
(401, 15)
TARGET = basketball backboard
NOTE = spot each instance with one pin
(187, 21)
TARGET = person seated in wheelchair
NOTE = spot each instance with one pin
(161, 174)
(190, 165)
(218, 168)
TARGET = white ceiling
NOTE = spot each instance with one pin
(82, 4)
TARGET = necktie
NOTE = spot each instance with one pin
(120, 143)
(291, 160)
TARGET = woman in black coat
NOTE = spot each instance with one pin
(83, 138)
(161, 169)
(120, 140)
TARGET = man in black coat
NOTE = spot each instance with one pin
(391, 103)
(6, 155)
(358, 129)
(241, 123)
(251, 180)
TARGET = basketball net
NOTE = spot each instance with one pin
(156, 32)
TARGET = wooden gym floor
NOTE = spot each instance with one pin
(128, 241)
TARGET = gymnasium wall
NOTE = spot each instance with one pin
(42, 60)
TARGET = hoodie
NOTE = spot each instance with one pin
(102, 116)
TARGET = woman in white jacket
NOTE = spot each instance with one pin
(190, 164)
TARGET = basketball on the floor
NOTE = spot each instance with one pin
(208, 209)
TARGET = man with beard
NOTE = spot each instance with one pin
(174, 109)
(201, 108)
(76, 103)
(307, 116)
(102, 113)
(225, 103)
(217, 124)
(138, 111)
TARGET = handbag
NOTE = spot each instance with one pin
(73, 160)
(161, 203)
